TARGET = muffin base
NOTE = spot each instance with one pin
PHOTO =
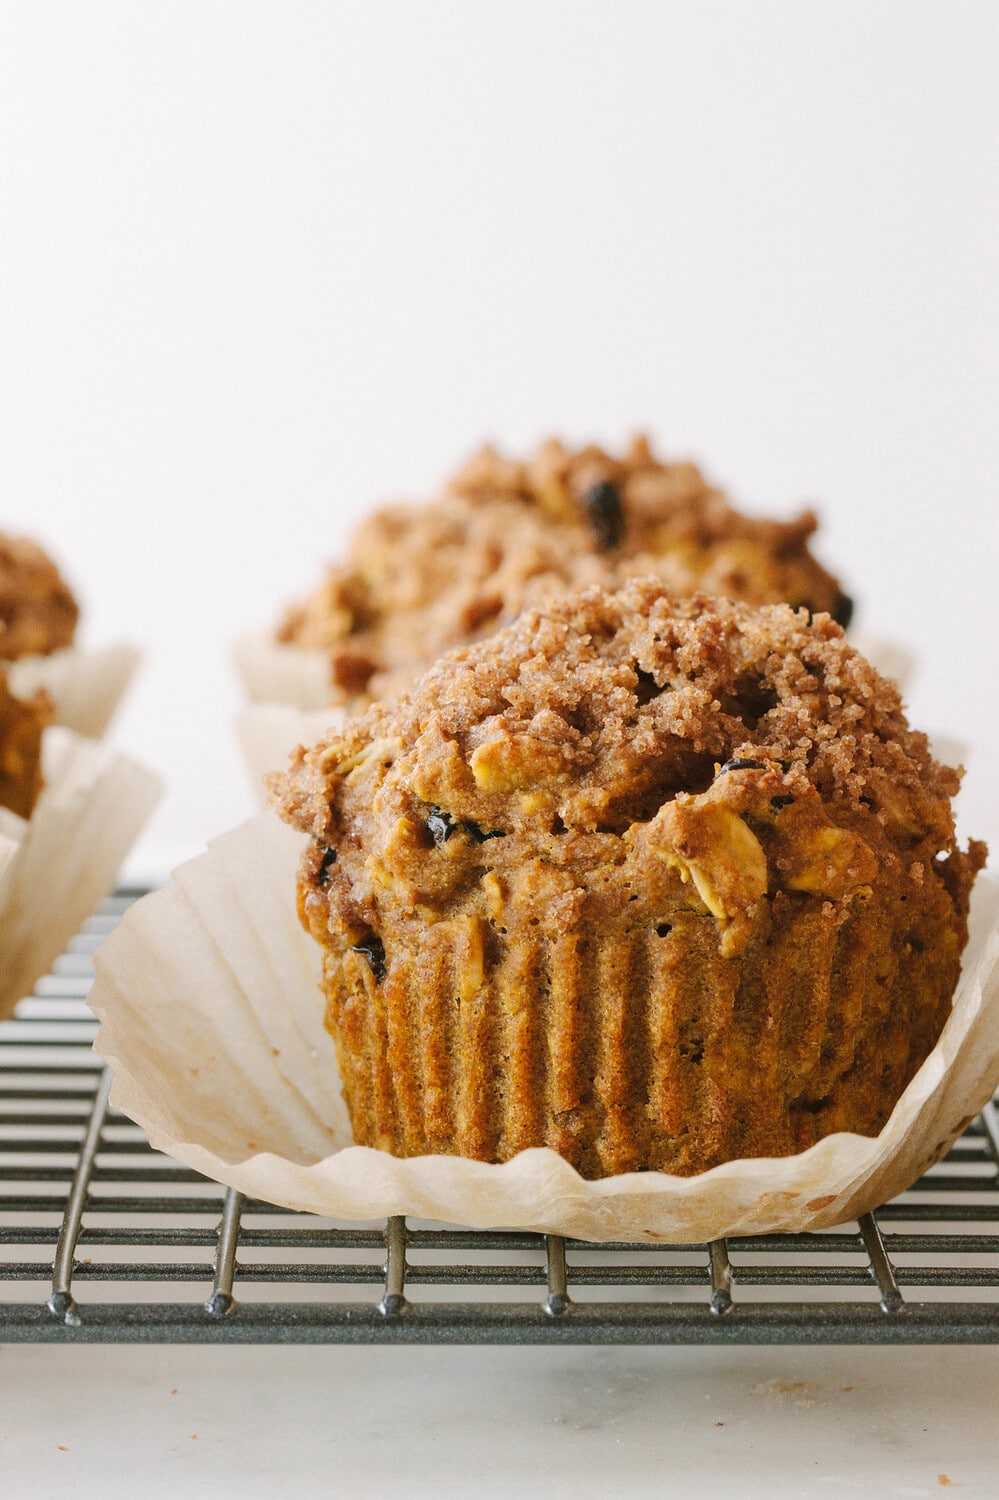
(645, 1049)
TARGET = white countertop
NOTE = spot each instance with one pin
(569, 1424)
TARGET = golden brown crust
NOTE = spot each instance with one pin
(38, 613)
(22, 722)
(657, 883)
(419, 580)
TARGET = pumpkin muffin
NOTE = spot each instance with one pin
(421, 579)
(38, 614)
(22, 721)
(655, 882)
(667, 517)
(418, 580)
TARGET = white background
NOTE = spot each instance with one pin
(262, 265)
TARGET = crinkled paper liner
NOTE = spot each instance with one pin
(211, 1019)
(273, 672)
(56, 866)
(85, 686)
(268, 733)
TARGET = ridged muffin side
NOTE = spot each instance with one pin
(655, 883)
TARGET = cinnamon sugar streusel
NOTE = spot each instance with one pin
(419, 580)
(38, 613)
(655, 882)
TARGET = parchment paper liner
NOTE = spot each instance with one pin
(56, 866)
(268, 733)
(85, 686)
(273, 672)
(213, 1025)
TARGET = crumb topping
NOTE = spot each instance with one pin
(662, 513)
(419, 580)
(749, 749)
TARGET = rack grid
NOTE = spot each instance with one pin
(103, 1239)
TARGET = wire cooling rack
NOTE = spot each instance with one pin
(103, 1239)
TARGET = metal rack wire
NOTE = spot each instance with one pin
(98, 1232)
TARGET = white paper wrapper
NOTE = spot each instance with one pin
(211, 1019)
(275, 673)
(85, 686)
(56, 867)
(268, 733)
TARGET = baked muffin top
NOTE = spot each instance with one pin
(736, 752)
(419, 580)
(667, 516)
(38, 613)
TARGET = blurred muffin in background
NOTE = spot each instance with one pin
(38, 625)
(418, 580)
(667, 516)
(22, 722)
(38, 613)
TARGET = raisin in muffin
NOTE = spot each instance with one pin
(419, 580)
(38, 614)
(22, 721)
(657, 883)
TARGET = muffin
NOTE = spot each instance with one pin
(38, 626)
(38, 613)
(22, 722)
(667, 518)
(656, 882)
(419, 580)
